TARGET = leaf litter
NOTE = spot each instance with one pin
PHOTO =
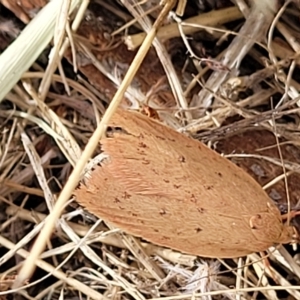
(253, 99)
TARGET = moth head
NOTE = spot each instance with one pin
(268, 227)
(288, 235)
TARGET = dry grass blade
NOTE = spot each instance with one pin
(137, 250)
(22, 54)
(108, 239)
(51, 270)
(205, 20)
(272, 273)
(38, 169)
(164, 58)
(254, 29)
(62, 136)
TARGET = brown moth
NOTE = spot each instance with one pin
(175, 192)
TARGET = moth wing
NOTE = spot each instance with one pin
(174, 191)
(161, 221)
(152, 159)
